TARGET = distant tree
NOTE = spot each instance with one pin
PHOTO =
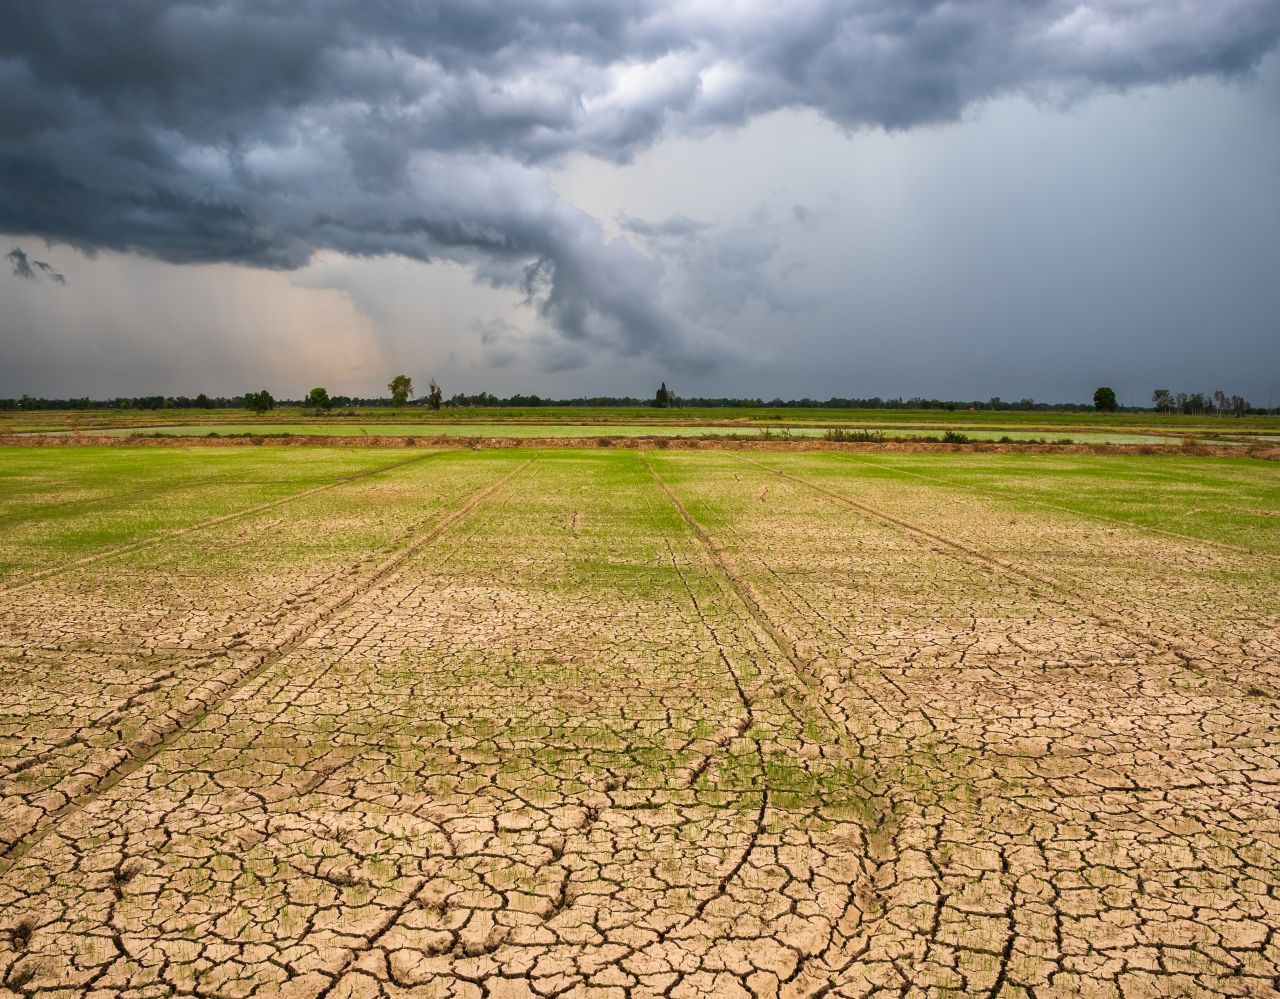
(434, 395)
(260, 402)
(1104, 400)
(401, 387)
(1196, 404)
(1162, 399)
(1239, 405)
(664, 398)
(318, 398)
(202, 401)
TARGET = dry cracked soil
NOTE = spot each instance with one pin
(624, 724)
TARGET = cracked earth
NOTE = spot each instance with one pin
(629, 724)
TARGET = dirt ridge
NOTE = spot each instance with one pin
(1269, 452)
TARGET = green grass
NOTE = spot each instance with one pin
(61, 504)
(61, 508)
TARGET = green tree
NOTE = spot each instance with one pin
(401, 387)
(664, 398)
(1104, 400)
(318, 398)
(260, 402)
(434, 396)
(1162, 399)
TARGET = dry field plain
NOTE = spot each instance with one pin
(325, 722)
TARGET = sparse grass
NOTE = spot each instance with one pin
(1231, 500)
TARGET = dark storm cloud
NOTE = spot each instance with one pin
(21, 265)
(260, 133)
(25, 267)
(53, 275)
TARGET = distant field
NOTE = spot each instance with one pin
(923, 421)
(642, 722)
(567, 430)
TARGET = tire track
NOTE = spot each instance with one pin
(1043, 587)
(178, 532)
(686, 778)
(90, 781)
(1101, 518)
(754, 603)
(112, 716)
(35, 512)
(1059, 593)
(227, 639)
(821, 969)
(757, 828)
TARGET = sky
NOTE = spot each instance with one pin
(586, 197)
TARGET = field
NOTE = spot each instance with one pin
(524, 430)
(579, 421)
(644, 722)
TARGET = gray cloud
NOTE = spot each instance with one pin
(21, 265)
(719, 268)
(53, 275)
(260, 134)
(26, 267)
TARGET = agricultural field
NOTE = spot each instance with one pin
(647, 722)
(523, 430)
(577, 421)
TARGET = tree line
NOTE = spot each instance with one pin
(202, 401)
(1216, 403)
(401, 393)
(400, 387)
